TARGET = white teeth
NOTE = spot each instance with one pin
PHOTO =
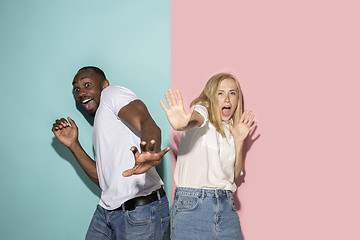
(86, 101)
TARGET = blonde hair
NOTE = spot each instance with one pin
(209, 99)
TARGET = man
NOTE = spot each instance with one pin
(133, 204)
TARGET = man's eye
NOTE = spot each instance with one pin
(87, 84)
(76, 89)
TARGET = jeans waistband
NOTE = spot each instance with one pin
(143, 200)
(216, 193)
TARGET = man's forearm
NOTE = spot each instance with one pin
(150, 131)
(85, 161)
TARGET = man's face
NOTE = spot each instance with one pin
(87, 87)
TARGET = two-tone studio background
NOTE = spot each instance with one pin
(298, 65)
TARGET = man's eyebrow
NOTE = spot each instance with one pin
(80, 79)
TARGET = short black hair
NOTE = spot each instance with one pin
(96, 70)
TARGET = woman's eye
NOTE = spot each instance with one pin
(233, 93)
(220, 93)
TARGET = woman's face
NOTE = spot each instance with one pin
(228, 98)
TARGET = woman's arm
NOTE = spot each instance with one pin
(239, 133)
(178, 118)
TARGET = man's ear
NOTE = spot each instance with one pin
(104, 84)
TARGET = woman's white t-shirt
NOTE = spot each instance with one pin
(205, 158)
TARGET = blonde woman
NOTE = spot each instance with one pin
(209, 159)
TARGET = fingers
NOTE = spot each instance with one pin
(253, 126)
(129, 172)
(192, 109)
(172, 97)
(143, 146)
(247, 117)
(243, 116)
(168, 100)
(72, 123)
(144, 164)
(179, 97)
(135, 151)
(151, 146)
(231, 126)
(163, 152)
(146, 147)
(60, 124)
(163, 106)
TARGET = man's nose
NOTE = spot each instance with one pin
(82, 92)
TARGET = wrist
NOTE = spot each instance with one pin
(74, 146)
(239, 141)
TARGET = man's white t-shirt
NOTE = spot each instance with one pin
(205, 158)
(112, 140)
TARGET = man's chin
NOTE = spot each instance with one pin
(91, 112)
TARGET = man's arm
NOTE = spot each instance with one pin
(68, 135)
(136, 115)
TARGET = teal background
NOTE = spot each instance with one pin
(44, 192)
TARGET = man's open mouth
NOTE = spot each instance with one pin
(88, 103)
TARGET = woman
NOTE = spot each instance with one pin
(209, 159)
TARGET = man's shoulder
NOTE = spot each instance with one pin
(117, 89)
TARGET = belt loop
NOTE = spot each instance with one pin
(158, 195)
(123, 207)
(202, 194)
(229, 194)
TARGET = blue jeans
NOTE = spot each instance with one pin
(149, 221)
(204, 214)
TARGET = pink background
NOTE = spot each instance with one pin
(298, 65)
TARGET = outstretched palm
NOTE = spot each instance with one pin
(145, 160)
(241, 130)
(176, 114)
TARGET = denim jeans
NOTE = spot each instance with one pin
(146, 222)
(204, 214)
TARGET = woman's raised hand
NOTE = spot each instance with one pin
(241, 130)
(176, 114)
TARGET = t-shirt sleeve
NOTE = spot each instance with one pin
(203, 112)
(116, 97)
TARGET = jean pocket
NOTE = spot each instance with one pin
(186, 203)
(140, 216)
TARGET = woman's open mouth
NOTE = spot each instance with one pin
(225, 111)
